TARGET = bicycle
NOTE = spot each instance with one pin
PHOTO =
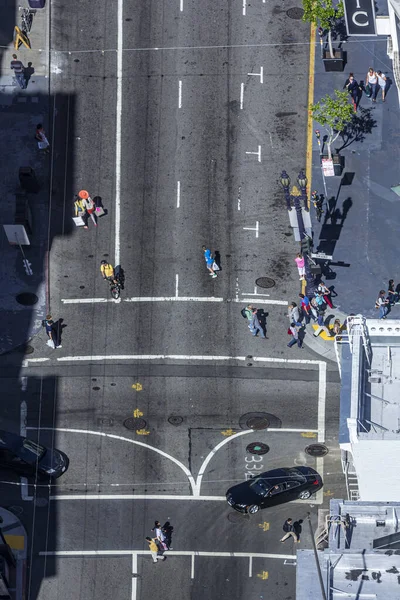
(26, 19)
(116, 286)
(318, 204)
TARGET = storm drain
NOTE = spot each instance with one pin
(174, 420)
(295, 13)
(27, 299)
(316, 450)
(132, 423)
(257, 448)
(265, 282)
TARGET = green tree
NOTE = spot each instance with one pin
(333, 113)
(323, 13)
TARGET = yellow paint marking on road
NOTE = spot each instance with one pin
(308, 434)
(228, 432)
(263, 575)
(328, 493)
(264, 526)
(310, 100)
(142, 432)
(137, 413)
(137, 386)
(323, 334)
(16, 542)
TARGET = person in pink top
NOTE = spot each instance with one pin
(299, 260)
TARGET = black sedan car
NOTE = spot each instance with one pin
(274, 487)
(30, 458)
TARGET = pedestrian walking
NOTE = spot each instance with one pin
(168, 530)
(88, 204)
(314, 308)
(337, 327)
(382, 82)
(159, 536)
(289, 530)
(42, 141)
(294, 332)
(306, 308)
(293, 314)
(52, 332)
(154, 550)
(80, 211)
(299, 260)
(247, 313)
(371, 82)
(256, 325)
(382, 303)
(326, 293)
(209, 261)
(319, 299)
(18, 68)
(392, 294)
(354, 90)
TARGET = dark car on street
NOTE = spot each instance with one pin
(30, 458)
(274, 487)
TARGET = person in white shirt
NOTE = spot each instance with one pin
(371, 80)
(382, 83)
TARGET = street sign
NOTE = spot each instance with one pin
(327, 167)
(321, 255)
(360, 17)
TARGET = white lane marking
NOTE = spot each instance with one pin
(241, 95)
(135, 497)
(192, 568)
(258, 153)
(260, 75)
(255, 293)
(118, 128)
(244, 8)
(250, 566)
(134, 576)
(89, 300)
(212, 453)
(180, 94)
(177, 286)
(270, 139)
(178, 194)
(181, 5)
(67, 553)
(199, 357)
(124, 439)
(26, 361)
(321, 401)
(256, 228)
(239, 197)
(262, 301)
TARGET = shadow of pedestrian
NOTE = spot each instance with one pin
(217, 259)
(28, 72)
(120, 275)
(297, 527)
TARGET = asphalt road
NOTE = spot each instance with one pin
(182, 154)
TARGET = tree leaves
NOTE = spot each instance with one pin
(322, 12)
(333, 113)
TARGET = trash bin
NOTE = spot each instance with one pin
(36, 3)
(27, 179)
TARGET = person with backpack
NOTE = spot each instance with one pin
(247, 313)
(289, 530)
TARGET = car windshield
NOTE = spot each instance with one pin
(260, 486)
(30, 448)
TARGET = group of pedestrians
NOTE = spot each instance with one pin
(161, 541)
(386, 300)
(374, 81)
(256, 319)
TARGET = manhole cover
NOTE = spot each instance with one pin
(257, 448)
(295, 13)
(41, 501)
(175, 420)
(27, 299)
(134, 424)
(316, 450)
(265, 282)
(237, 517)
(259, 420)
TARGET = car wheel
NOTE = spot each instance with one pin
(253, 509)
(304, 495)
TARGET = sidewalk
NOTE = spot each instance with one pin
(21, 111)
(15, 537)
(359, 226)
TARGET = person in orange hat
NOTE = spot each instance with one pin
(88, 204)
